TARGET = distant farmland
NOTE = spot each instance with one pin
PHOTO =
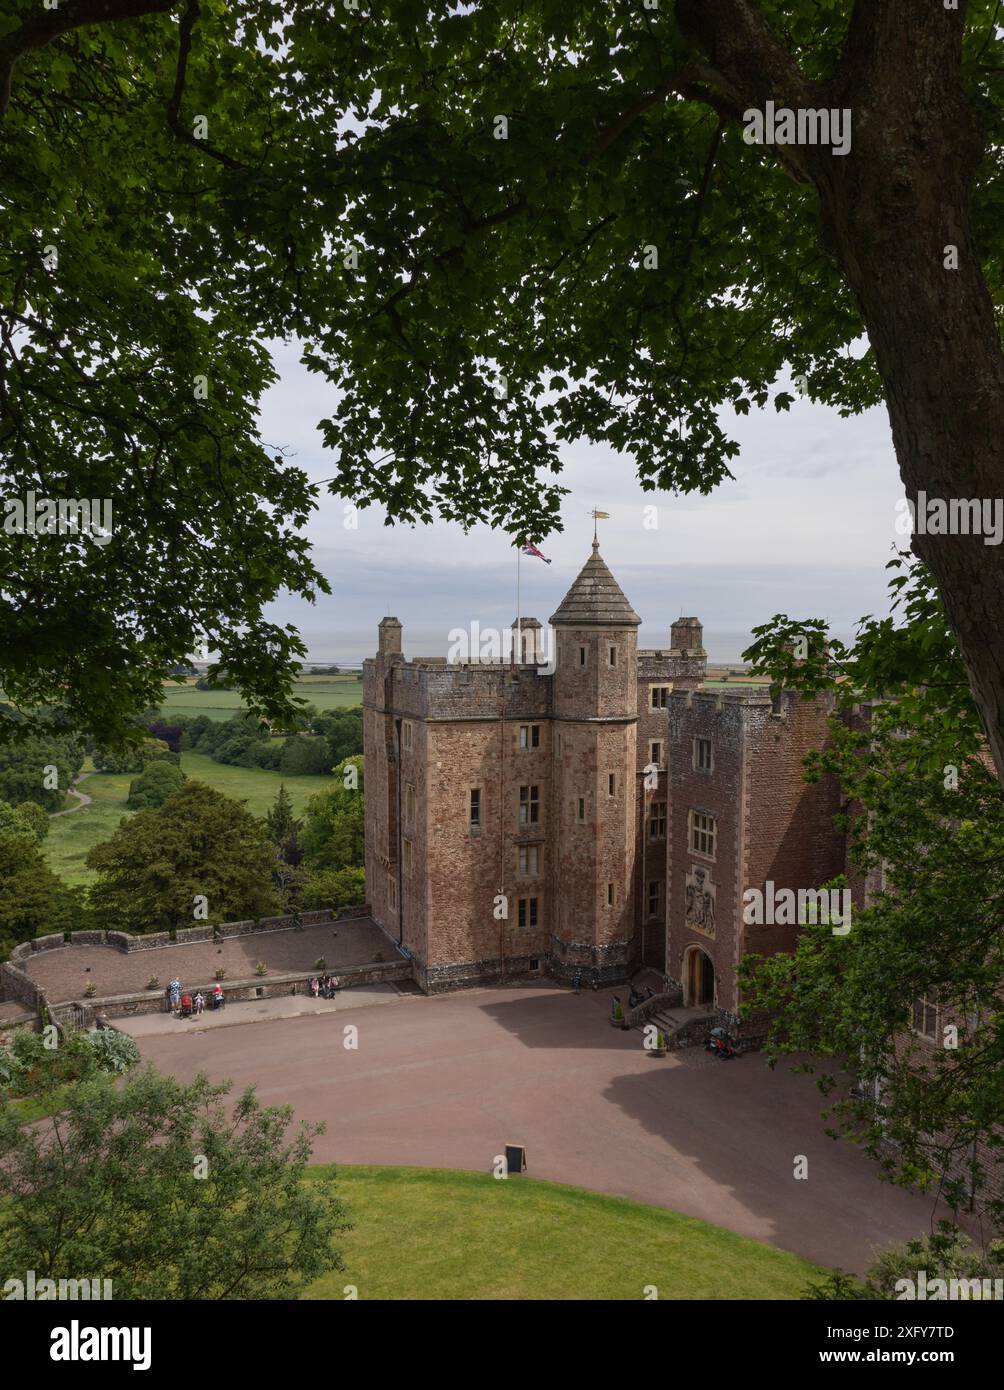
(325, 692)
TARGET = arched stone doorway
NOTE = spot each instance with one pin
(699, 978)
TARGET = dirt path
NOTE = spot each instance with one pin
(82, 798)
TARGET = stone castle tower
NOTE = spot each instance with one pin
(595, 761)
(516, 815)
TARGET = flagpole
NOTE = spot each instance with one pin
(519, 618)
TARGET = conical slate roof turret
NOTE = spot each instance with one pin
(595, 599)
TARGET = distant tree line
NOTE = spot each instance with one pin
(322, 741)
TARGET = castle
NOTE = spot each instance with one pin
(589, 815)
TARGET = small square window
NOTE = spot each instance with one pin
(529, 805)
(528, 861)
(657, 820)
(529, 736)
(527, 914)
(660, 696)
(925, 1018)
(655, 753)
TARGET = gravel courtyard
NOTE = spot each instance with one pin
(449, 1081)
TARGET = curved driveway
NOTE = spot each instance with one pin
(448, 1081)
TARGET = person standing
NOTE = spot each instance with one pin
(577, 981)
(200, 1002)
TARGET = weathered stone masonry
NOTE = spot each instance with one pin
(569, 799)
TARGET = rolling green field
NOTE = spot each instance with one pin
(325, 692)
(428, 1233)
(71, 837)
(253, 785)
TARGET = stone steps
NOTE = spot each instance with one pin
(673, 1020)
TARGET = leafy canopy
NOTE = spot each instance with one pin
(211, 177)
(159, 1188)
(198, 844)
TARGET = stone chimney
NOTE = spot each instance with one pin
(687, 635)
(533, 647)
(389, 637)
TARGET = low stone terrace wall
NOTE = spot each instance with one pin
(18, 986)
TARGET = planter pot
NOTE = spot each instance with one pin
(616, 1023)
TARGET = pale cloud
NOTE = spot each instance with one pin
(805, 527)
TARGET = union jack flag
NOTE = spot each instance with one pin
(530, 549)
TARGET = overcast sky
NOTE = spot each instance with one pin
(805, 529)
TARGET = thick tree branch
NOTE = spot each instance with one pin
(742, 47)
(46, 25)
(188, 21)
(750, 66)
(922, 44)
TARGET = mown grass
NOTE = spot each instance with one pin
(29, 1108)
(324, 692)
(423, 1233)
(71, 837)
(252, 784)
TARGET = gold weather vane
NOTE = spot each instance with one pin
(598, 516)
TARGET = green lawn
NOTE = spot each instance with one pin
(31, 1108)
(253, 785)
(71, 837)
(427, 1233)
(324, 692)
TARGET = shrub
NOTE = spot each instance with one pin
(157, 781)
(117, 1051)
(28, 1066)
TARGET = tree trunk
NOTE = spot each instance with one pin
(894, 211)
(896, 214)
(938, 353)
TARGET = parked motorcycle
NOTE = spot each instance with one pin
(720, 1044)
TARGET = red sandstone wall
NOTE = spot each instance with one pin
(792, 839)
(717, 793)
(465, 869)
